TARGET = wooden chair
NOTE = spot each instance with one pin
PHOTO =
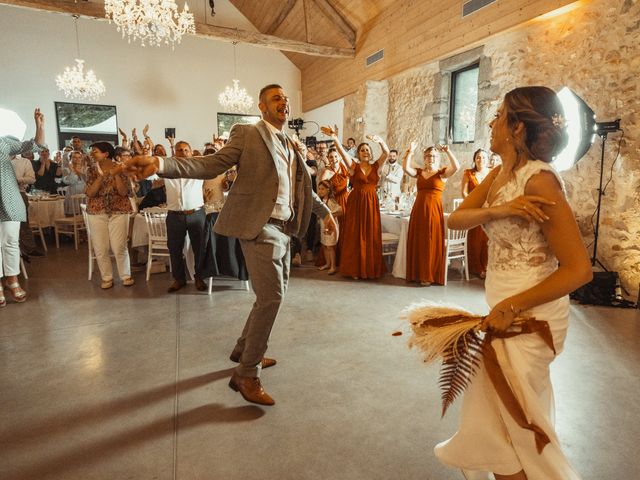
(36, 229)
(71, 225)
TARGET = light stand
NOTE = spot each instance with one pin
(602, 129)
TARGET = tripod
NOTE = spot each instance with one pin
(594, 257)
(602, 129)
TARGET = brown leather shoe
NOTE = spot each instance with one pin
(175, 286)
(201, 285)
(266, 362)
(251, 389)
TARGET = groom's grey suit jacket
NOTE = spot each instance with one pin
(253, 195)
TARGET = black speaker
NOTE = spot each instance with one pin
(604, 289)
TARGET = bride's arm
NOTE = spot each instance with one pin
(563, 237)
(470, 213)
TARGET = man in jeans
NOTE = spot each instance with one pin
(185, 215)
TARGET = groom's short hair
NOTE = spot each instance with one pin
(265, 88)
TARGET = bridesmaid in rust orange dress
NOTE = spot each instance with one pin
(477, 241)
(425, 238)
(336, 172)
(361, 249)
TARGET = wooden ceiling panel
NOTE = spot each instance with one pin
(261, 14)
(293, 26)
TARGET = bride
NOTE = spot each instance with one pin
(536, 257)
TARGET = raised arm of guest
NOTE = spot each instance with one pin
(172, 145)
(333, 133)
(124, 140)
(454, 165)
(406, 160)
(39, 118)
(385, 149)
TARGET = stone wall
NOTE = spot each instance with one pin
(594, 50)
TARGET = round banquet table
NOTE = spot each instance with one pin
(45, 211)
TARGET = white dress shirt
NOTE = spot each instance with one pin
(183, 193)
(286, 168)
(24, 172)
(391, 178)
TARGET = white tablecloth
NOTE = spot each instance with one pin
(46, 211)
(399, 225)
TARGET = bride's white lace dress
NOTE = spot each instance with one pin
(488, 439)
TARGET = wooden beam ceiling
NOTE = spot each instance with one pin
(338, 20)
(225, 34)
(284, 13)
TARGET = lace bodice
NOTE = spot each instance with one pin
(516, 244)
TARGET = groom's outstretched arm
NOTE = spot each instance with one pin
(208, 166)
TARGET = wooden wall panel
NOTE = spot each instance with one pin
(414, 32)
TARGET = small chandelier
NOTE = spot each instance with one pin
(152, 21)
(75, 83)
(236, 99)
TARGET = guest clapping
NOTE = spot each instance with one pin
(74, 180)
(425, 238)
(109, 207)
(47, 172)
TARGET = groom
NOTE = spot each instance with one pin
(271, 200)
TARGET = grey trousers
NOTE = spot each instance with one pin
(267, 258)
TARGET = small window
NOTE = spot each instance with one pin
(464, 102)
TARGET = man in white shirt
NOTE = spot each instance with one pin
(185, 215)
(391, 176)
(25, 176)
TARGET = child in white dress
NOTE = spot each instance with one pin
(329, 240)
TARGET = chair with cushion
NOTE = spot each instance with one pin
(72, 225)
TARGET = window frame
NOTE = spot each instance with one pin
(452, 103)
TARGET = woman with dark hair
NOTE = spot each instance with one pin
(109, 207)
(536, 257)
(361, 246)
(477, 248)
(425, 237)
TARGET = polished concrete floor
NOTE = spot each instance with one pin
(131, 383)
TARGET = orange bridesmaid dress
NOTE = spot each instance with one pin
(340, 182)
(477, 241)
(425, 238)
(361, 249)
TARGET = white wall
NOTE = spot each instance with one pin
(152, 85)
(329, 114)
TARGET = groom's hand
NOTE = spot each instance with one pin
(142, 166)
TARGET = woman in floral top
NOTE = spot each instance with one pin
(109, 207)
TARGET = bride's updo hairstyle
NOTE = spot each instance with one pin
(541, 112)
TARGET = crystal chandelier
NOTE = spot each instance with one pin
(75, 83)
(236, 99)
(152, 21)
